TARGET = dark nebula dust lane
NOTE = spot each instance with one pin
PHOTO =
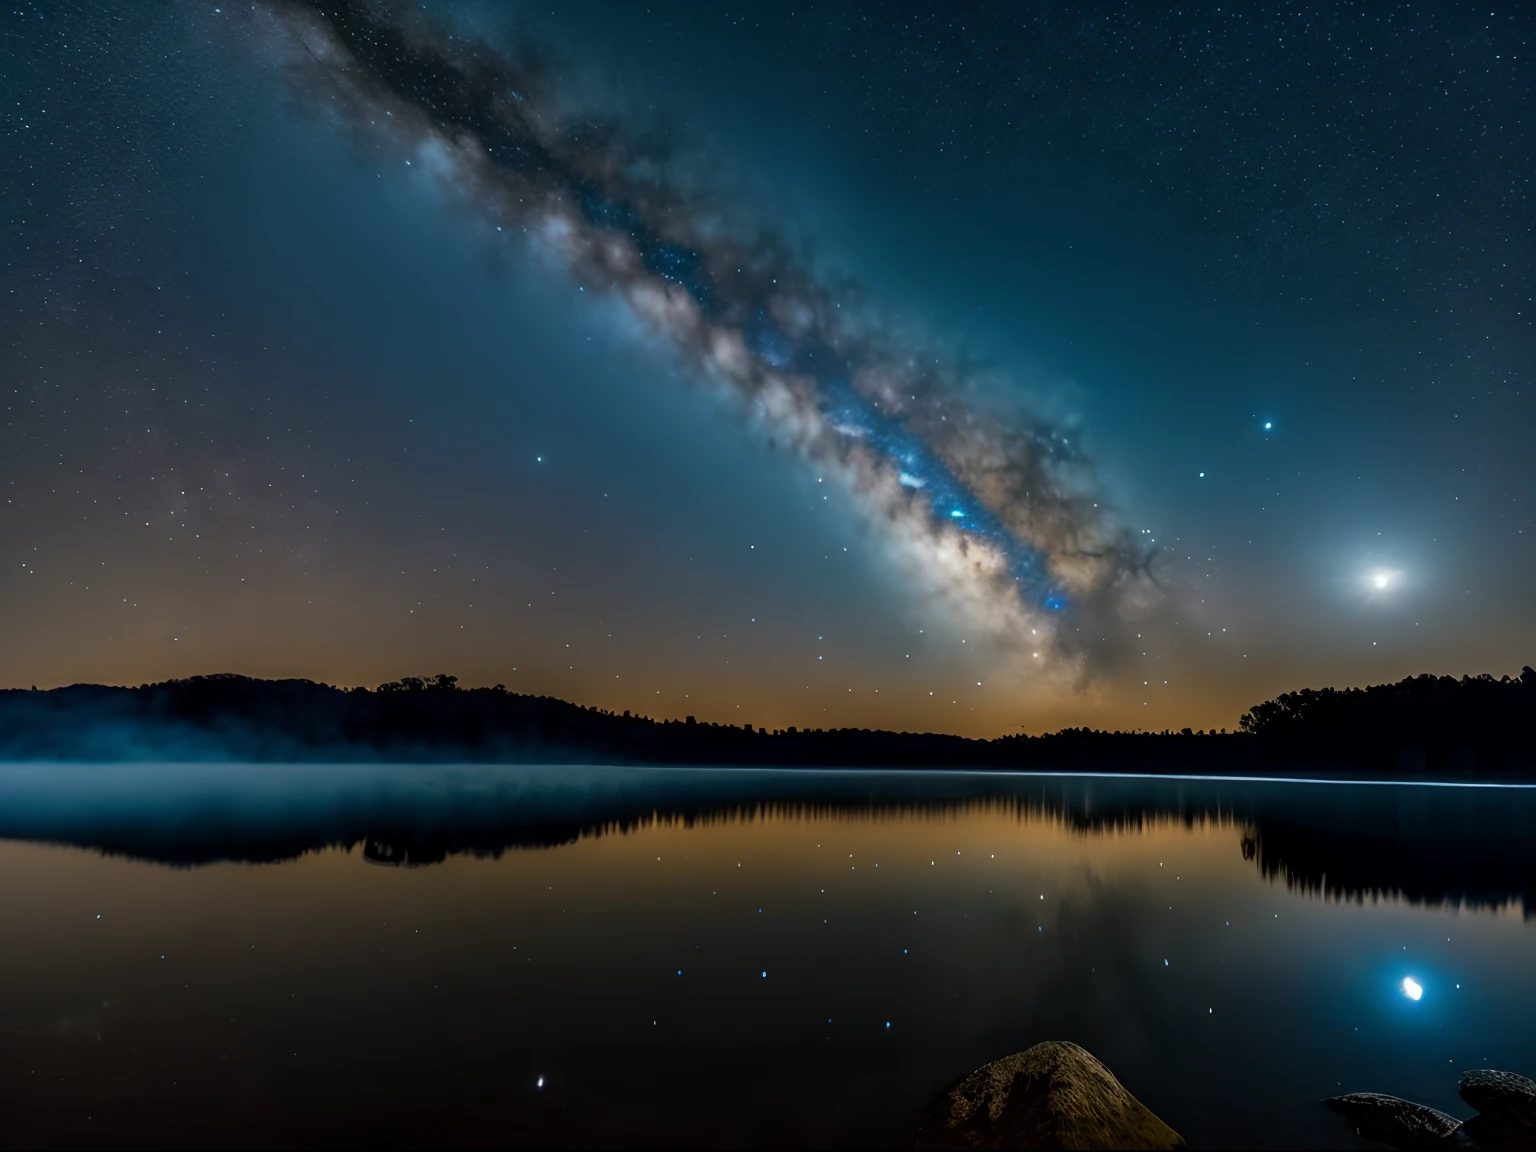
(992, 510)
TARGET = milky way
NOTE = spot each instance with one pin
(986, 506)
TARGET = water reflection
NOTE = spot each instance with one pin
(1425, 844)
(502, 956)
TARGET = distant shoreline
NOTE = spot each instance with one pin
(1424, 729)
(1523, 782)
(1090, 773)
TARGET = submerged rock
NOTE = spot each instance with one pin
(1054, 1095)
(1497, 1093)
(1393, 1121)
(1494, 1131)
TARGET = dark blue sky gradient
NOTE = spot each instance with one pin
(275, 403)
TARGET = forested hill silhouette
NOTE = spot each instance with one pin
(1421, 726)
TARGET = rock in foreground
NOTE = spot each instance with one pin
(1393, 1121)
(1054, 1095)
(1496, 1093)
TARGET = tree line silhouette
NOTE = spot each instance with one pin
(1424, 725)
(1421, 726)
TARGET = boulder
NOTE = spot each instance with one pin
(1500, 1094)
(1054, 1095)
(1393, 1121)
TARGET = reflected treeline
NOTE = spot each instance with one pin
(1472, 866)
(1433, 845)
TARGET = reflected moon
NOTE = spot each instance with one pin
(1382, 579)
(1412, 988)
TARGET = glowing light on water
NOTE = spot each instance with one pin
(1412, 988)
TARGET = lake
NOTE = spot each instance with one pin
(501, 955)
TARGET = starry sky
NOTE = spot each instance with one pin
(989, 369)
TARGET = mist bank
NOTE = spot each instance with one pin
(1421, 727)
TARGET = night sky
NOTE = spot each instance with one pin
(972, 370)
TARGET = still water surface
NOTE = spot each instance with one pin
(258, 955)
